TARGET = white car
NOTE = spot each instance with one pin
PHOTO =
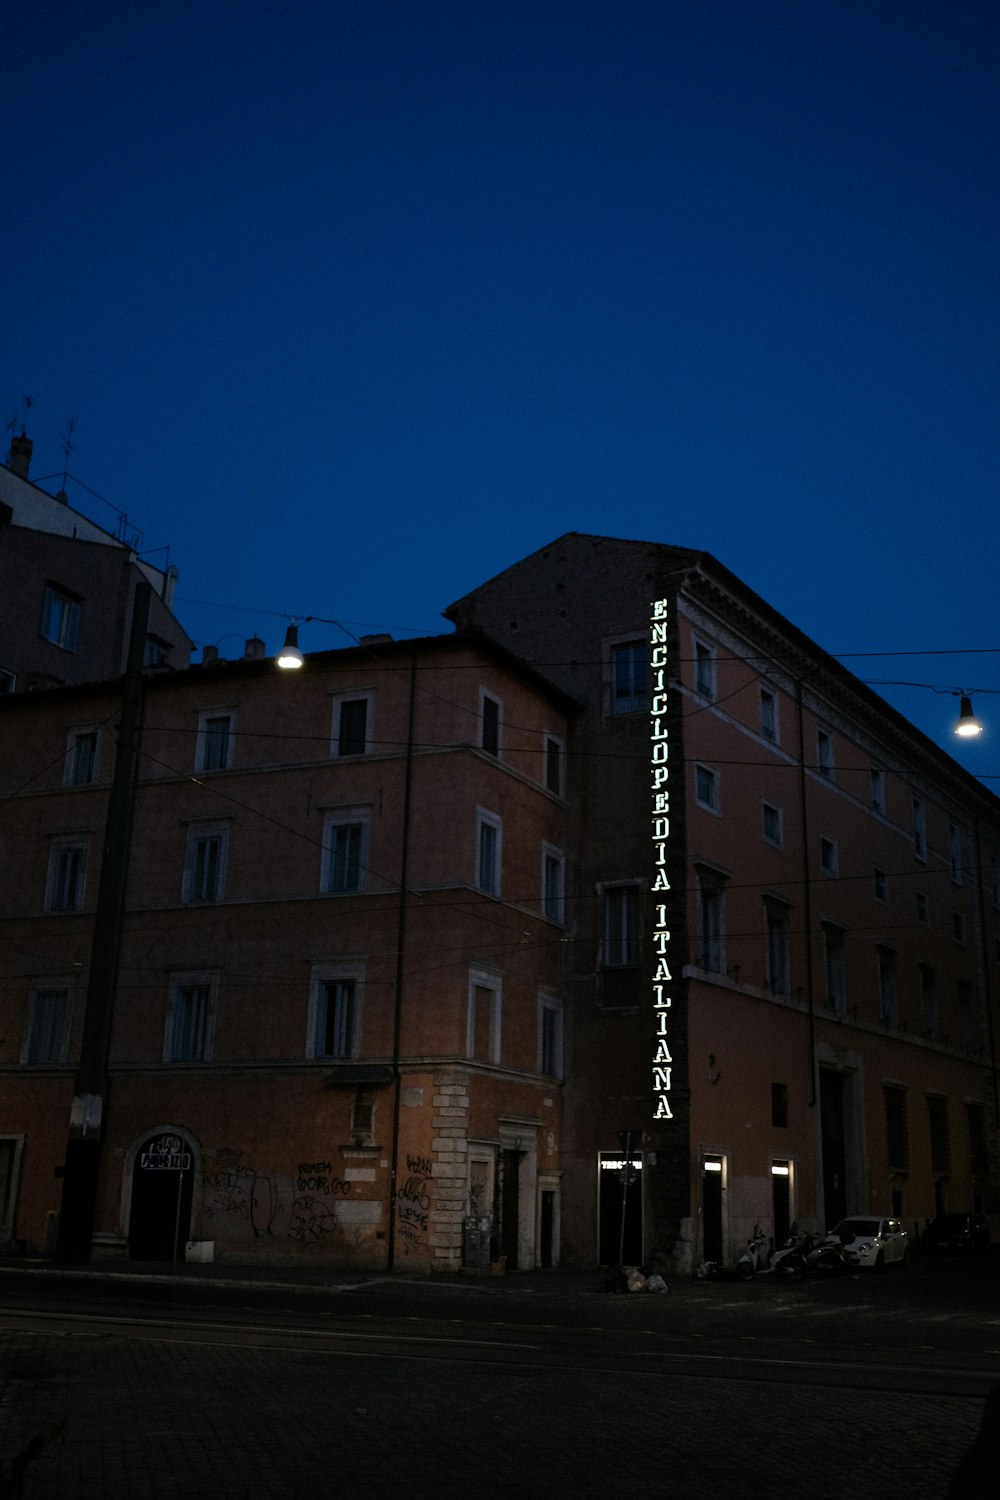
(872, 1242)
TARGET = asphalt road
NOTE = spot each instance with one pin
(525, 1388)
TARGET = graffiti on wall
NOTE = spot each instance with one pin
(413, 1204)
(273, 1204)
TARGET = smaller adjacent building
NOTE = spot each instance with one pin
(336, 1030)
(67, 590)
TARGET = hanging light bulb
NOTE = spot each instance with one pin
(290, 656)
(968, 725)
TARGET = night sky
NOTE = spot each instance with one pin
(355, 303)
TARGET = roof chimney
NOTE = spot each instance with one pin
(254, 649)
(19, 458)
(209, 654)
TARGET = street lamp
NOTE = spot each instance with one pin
(968, 725)
(290, 657)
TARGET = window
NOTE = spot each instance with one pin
(204, 864)
(704, 669)
(489, 713)
(937, 1112)
(923, 908)
(553, 884)
(888, 1001)
(488, 842)
(958, 927)
(155, 652)
(628, 678)
(881, 886)
(550, 1036)
(60, 619)
(706, 788)
(824, 753)
(46, 1038)
(769, 714)
(779, 1105)
(777, 950)
(955, 853)
(773, 824)
(190, 1020)
(828, 856)
(836, 969)
(215, 741)
(896, 1141)
(620, 946)
(483, 1031)
(8, 682)
(877, 790)
(711, 948)
(335, 1019)
(351, 724)
(81, 757)
(919, 829)
(344, 853)
(67, 869)
(995, 878)
(553, 765)
(928, 1002)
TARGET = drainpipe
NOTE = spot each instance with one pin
(807, 894)
(88, 1115)
(397, 1082)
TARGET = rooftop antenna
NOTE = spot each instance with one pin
(19, 421)
(68, 447)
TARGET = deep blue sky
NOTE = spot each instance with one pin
(355, 303)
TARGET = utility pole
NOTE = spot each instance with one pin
(90, 1090)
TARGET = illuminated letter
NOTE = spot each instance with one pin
(662, 1109)
(660, 883)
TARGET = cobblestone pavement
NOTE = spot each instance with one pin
(151, 1417)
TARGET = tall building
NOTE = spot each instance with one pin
(784, 917)
(333, 1024)
(67, 588)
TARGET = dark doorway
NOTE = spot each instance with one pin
(510, 1193)
(620, 1186)
(831, 1101)
(781, 1200)
(162, 1188)
(547, 1227)
(711, 1208)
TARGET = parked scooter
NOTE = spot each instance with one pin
(828, 1257)
(788, 1261)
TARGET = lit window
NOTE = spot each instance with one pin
(60, 619)
(628, 678)
(343, 854)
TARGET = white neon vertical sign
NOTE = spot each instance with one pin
(659, 786)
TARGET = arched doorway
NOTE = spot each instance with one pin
(162, 1191)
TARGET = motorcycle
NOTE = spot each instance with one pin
(828, 1257)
